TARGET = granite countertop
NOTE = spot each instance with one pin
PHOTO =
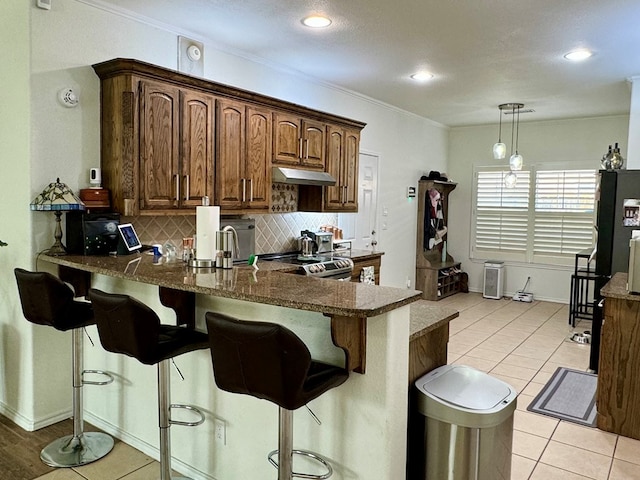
(617, 288)
(425, 317)
(355, 254)
(271, 284)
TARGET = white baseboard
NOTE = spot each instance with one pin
(145, 447)
(29, 424)
(535, 297)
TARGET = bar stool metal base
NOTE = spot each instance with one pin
(73, 451)
(309, 454)
(285, 451)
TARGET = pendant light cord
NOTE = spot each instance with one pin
(500, 127)
(517, 130)
(513, 118)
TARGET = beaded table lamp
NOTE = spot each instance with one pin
(57, 197)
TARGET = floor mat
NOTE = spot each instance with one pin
(569, 395)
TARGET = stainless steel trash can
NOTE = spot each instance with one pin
(468, 424)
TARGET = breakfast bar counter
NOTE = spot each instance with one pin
(272, 284)
(348, 304)
(364, 421)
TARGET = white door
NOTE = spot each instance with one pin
(366, 218)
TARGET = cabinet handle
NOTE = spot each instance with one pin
(251, 189)
(300, 147)
(177, 188)
(188, 187)
(306, 149)
(244, 189)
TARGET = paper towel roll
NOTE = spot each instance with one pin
(207, 224)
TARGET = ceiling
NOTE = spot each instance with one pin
(482, 53)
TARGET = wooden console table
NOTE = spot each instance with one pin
(618, 395)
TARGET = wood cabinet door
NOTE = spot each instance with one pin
(230, 124)
(258, 157)
(349, 178)
(313, 144)
(197, 147)
(335, 152)
(287, 139)
(159, 148)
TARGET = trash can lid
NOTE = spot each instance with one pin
(465, 387)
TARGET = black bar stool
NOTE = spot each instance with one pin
(46, 300)
(127, 326)
(269, 361)
(582, 288)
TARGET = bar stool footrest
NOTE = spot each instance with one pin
(309, 454)
(73, 451)
(109, 376)
(187, 407)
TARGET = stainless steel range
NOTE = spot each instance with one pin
(320, 266)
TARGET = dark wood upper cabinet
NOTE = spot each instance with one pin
(168, 140)
(243, 156)
(299, 142)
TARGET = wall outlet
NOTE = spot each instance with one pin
(408, 282)
(220, 431)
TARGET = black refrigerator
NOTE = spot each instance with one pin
(617, 217)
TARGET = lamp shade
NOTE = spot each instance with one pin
(516, 161)
(510, 180)
(57, 196)
(499, 150)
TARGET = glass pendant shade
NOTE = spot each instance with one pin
(515, 162)
(510, 180)
(499, 151)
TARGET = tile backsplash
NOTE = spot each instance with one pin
(275, 232)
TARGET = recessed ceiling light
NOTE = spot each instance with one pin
(578, 55)
(316, 21)
(422, 76)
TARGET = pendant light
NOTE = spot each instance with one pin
(499, 149)
(516, 161)
(510, 180)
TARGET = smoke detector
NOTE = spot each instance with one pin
(68, 97)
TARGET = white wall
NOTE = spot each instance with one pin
(581, 142)
(17, 344)
(633, 142)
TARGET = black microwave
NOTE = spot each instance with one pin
(92, 233)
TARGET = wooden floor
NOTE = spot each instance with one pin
(20, 450)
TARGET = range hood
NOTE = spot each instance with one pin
(301, 177)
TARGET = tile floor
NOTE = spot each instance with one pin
(522, 344)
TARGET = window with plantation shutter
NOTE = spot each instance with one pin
(546, 218)
(564, 211)
(502, 214)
